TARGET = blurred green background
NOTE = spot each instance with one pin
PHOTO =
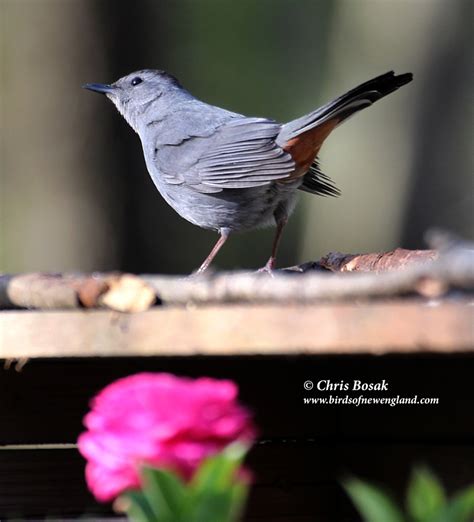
(75, 193)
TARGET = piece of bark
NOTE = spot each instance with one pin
(397, 259)
(90, 289)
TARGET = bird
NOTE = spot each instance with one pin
(227, 172)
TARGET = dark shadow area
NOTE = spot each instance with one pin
(305, 449)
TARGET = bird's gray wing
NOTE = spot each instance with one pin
(243, 153)
(173, 142)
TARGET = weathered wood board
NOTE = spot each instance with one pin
(366, 327)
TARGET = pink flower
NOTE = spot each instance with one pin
(160, 420)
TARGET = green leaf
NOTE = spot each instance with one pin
(218, 472)
(165, 493)
(214, 494)
(372, 503)
(211, 505)
(238, 500)
(221, 506)
(425, 495)
(137, 507)
(459, 509)
(217, 494)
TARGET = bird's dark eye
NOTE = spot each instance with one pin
(136, 81)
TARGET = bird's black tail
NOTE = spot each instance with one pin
(341, 108)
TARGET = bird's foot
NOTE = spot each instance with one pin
(269, 268)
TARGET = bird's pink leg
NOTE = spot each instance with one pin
(270, 266)
(220, 242)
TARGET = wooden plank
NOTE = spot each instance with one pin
(377, 327)
(46, 401)
(293, 482)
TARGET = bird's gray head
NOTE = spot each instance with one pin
(137, 92)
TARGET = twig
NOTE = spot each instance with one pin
(450, 270)
(358, 276)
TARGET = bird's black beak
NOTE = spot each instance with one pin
(99, 87)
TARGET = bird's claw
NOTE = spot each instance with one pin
(269, 268)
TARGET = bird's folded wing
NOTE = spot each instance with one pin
(243, 153)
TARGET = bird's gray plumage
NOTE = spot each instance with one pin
(221, 170)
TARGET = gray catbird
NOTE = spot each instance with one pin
(224, 171)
